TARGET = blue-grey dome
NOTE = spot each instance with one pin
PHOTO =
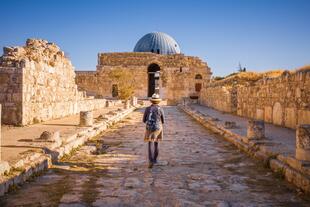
(157, 42)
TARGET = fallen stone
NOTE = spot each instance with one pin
(50, 136)
(4, 167)
(230, 124)
(86, 118)
(303, 142)
(256, 129)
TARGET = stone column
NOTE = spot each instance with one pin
(303, 142)
(256, 129)
(134, 101)
(86, 118)
(127, 104)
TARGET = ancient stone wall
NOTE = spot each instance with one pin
(11, 93)
(219, 97)
(38, 83)
(177, 74)
(283, 100)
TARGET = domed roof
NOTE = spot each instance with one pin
(157, 42)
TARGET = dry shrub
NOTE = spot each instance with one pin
(124, 79)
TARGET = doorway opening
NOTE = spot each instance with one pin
(153, 79)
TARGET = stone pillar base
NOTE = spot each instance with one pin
(256, 129)
(86, 118)
(127, 104)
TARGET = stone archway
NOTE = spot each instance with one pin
(153, 79)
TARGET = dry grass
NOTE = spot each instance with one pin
(242, 78)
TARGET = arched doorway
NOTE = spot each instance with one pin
(153, 79)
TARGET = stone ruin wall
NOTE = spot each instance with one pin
(177, 79)
(219, 97)
(11, 93)
(284, 100)
(38, 84)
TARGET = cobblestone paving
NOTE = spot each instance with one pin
(196, 168)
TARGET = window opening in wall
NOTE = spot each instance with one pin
(198, 76)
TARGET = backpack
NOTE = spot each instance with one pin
(153, 119)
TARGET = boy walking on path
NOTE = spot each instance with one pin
(153, 118)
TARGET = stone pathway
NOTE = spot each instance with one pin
(196, 168)
(283, 139)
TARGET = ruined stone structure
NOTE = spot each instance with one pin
(171, 74)
(283, 100)
(37, 83)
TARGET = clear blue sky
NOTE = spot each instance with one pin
(261, 34)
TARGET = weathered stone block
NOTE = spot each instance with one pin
(256, 129)
(268, 114)
(51, 136)
(127, 104)
(134, 101)
(4, 167)
(86, 118)
(277, 114)
(290, 117)
(303, 116)
(303, 142)
(230, 124)
(259, 114)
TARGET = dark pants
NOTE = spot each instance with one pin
(153, 152)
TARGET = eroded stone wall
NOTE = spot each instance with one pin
(283, 100)
(221, 98)
(38, 83)
(177, 74)
(11, 93)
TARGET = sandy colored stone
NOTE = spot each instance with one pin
(268, 114)
(290, 117)
(38, 84)
(303, 142)
(277, 114)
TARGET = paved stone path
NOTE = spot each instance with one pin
(196, 168)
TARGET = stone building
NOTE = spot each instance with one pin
(157, 65)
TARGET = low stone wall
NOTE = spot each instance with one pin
(38, 112)
(283, 100)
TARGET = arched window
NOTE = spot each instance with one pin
(198, 76)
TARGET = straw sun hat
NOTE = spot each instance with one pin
(155, 98)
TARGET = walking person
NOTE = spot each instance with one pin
(153, 118)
